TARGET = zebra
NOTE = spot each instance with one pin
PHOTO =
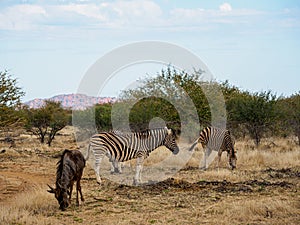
(120, 147)
(213, 138)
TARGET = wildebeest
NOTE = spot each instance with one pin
(69, 169)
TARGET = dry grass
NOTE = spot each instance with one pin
(34, 207)
(261, 159)
(252, 194)
(271, 153)
(276, 209)
(285, 153)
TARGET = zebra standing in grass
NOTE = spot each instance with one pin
(213, 138)
(121, 147)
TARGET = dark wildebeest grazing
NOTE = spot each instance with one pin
(69, 169)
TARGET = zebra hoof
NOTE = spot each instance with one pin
(117, 171)
(136, 182)
(99, 182)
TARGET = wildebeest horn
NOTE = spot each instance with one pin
(51, 189)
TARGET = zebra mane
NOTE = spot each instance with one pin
(143, 133)
(148, 132)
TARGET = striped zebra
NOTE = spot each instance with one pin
(213, 138)
(120, 147)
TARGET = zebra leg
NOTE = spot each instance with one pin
(115, 167)
(139, 166)
(112, 166)
(207, 152)
(118, 167)
(202, 166)
(219, 158)
(228, 159)
(97, 168)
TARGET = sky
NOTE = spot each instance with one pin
(50, 45)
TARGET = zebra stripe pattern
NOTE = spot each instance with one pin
(120, 147)
(213, 138)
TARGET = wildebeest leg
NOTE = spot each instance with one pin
(71, 189)
(78, 187)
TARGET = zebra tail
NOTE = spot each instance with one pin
(193, 145)
(87, 154)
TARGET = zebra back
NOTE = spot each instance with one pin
(216, 138)
(125, 146)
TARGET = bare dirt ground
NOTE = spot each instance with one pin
(263, 190)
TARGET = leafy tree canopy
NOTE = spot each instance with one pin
(46, 121)
(10, 100)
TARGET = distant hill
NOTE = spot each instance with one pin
(72, 101)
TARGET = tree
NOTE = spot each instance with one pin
(103, 117)
(256, 112)
(175, 96)
(10, 100)
(46, 121)
(289, 109)
(147, 109)
(231, 93)
(294, 103)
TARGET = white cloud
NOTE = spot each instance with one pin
(132, 14)
(87, 10)
(187, 13)
(112, 14)
(205, 18)
(21, 17)
(225, 7)
(135, 12)
(108, 14)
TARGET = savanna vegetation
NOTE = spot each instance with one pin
(264, 189)
(255, 115)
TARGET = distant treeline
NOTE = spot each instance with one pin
(256, 115)
(184, 102)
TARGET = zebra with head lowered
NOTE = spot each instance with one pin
(121, 147)
(213, 138)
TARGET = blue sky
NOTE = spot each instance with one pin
(49, 45)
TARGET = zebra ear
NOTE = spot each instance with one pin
(170, 131)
